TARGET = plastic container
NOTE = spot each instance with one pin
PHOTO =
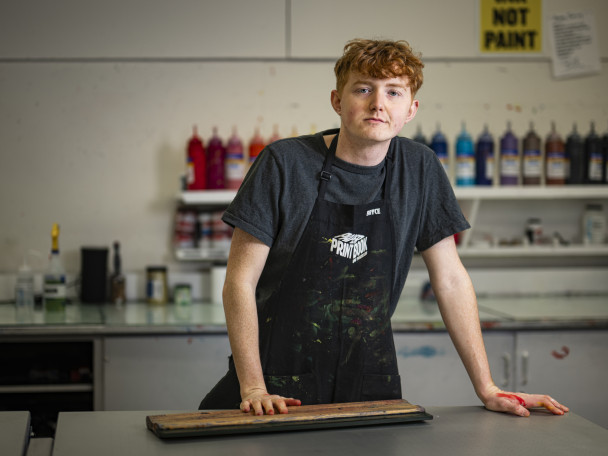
(156, 284)
(55, 289)
(24, 288)
(215, 162)
(484, 158)
(439, 145)
(465, 159)
(594, 158)
(593, 225)
(531, 169)
(234, 163)
(256, 145)
(555, 158)
(575, 156)
(419, 136)
(196, 176)
(509, 158)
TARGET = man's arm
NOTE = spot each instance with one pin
(458, 306)
(245, 264)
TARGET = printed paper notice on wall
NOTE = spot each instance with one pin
(575, 51)
(510, 26)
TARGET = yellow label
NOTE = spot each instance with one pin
(510, 26)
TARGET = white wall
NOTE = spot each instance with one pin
(97, 99)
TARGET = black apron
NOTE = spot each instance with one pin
(325, 334)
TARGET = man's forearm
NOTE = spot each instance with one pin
(242, 325)
(458, 306)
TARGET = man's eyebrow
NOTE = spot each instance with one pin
(402, 85)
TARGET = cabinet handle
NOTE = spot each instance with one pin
(525, 357)
(506, 366)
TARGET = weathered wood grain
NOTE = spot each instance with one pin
(299, 418)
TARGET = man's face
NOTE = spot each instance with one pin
(374, 110)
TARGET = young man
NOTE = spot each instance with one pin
(325, 230)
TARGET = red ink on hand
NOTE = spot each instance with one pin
(561, 355)
(513, 396)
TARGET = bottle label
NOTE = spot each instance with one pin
(532, 163)
(556, 165)
(54, 292)
(490, 168)
(595, 167)
(509, 164)
(465, 170)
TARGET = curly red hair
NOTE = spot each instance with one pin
(380, 59)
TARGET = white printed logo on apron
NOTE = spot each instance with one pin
(349, 245)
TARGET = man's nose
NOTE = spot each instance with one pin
(376, 101)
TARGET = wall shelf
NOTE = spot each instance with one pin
(532, 192)
(472, 197)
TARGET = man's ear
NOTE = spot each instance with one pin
(336, 102)
(412, 111)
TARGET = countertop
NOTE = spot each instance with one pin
(14, 432)
(455, 431)
(496, 313)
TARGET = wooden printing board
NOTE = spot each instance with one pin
(202, 423)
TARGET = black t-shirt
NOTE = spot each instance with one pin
(279, 192)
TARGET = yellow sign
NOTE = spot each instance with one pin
(510, 26)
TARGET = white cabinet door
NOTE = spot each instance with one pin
(571, 366)
(163, 372)
(433, 375)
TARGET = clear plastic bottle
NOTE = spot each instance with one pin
(593, 224)
(24, 290)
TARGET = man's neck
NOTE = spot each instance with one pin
(357, 153)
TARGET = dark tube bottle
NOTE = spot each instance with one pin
(532, 159)
(555, 158)
(575, 157)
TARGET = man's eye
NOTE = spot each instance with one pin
(394, 93)
(363, 90)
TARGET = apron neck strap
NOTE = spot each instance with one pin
(325, 174)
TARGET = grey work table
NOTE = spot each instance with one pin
(14, 433)
(454, 430)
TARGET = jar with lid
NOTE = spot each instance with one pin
(534, 230)
(156, 284)
(593, 224)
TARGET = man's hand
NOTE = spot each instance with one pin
(519, 403)
(261, 402)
